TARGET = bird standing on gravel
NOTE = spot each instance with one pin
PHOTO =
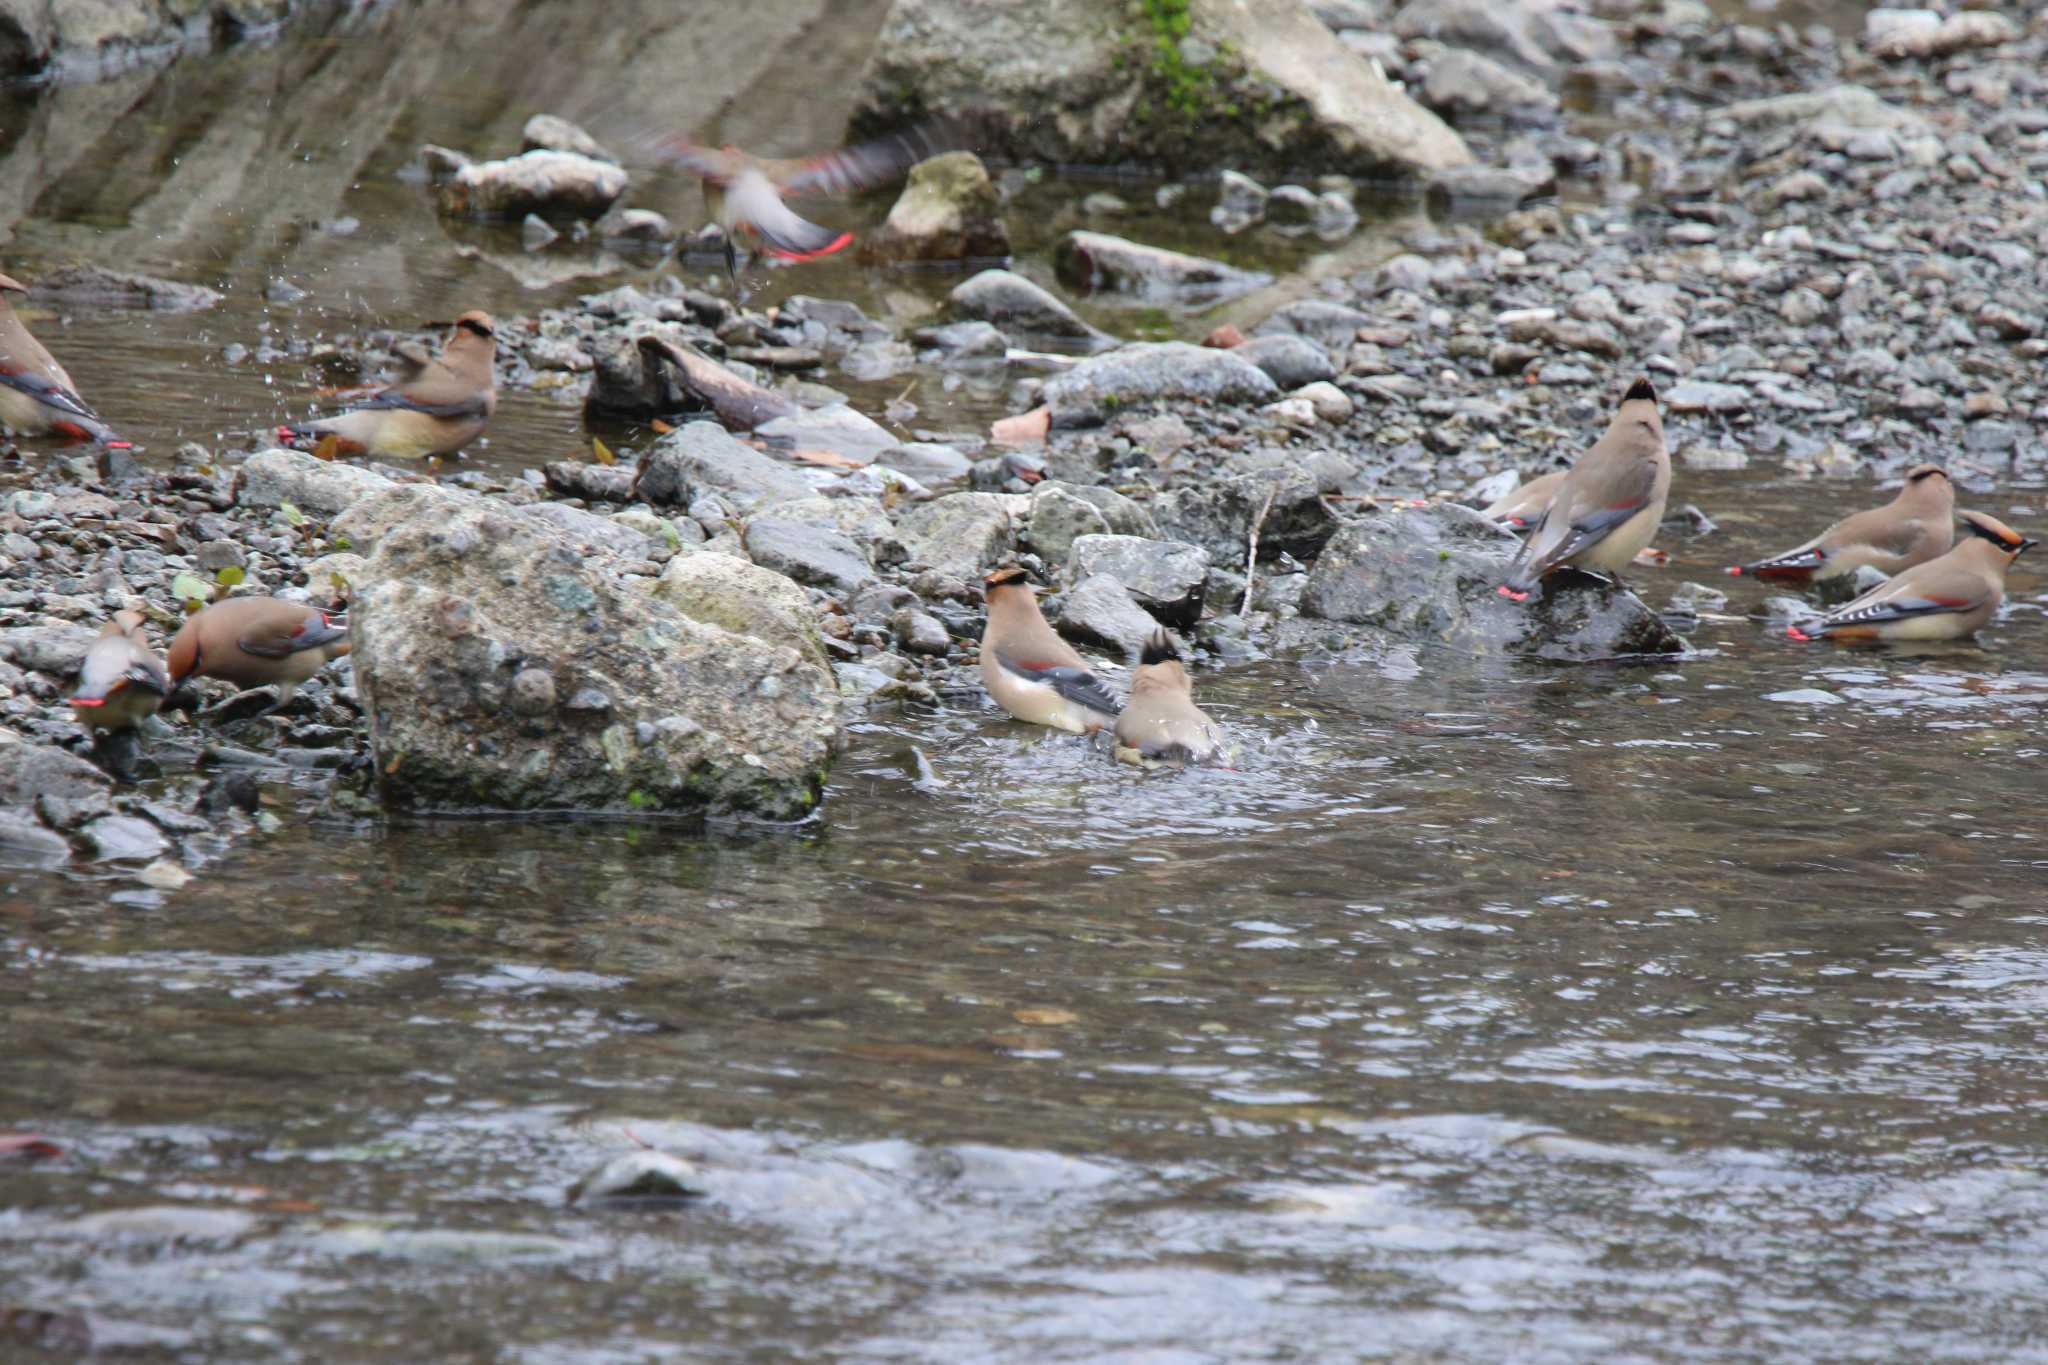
(36, 396)
(1914, 527)
(1943, 599)
(437, 410)
(745, 193)
(1031, 672)
(258, 641)
(1608, 506)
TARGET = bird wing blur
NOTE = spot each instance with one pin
(752, 199)
(1077, 685)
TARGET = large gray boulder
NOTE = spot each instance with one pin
(726, 591)
(1151, 372)
(702, 457)
(1078, 81)
(962, 534)
(1218, 514)
(320, 488)
(551, 184)
(1430, 575)
(1540, 37)
(949, 211)
(503, 666)
(1021, 308)
(1097, 261)
(1168, 578)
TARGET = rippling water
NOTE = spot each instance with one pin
(1478, 1012)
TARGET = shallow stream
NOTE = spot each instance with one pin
(1479, 1012)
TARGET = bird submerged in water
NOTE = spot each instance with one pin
(1914, 527)
(1161, 725)
(258, 641)
(745, 193)
(1607, 506)
(1942, 599)
(437, 410)
(36, 396)
(1030, 671)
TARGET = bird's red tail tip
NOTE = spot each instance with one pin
(88, 701)
(1511, 594)
(120, 445)
(1797, 634)
(839, 243)
(1735, 569)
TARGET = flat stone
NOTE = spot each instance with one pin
(319, 488)
(809, 554)
(962, 534)
(702, 457)
(1166, 578)
(1152, 372)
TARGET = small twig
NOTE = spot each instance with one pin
(1251, 549)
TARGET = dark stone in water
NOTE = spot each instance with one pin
(1430, 575)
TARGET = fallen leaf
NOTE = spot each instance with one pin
(661, 428)
(32, 1146)
(1026, 428)
(191, 588)
(1224, 338)
(292, 515)
(1047, 1014)
(830, 458)
(601, 452)
(329, 447)
(230, 576)
(164, 875)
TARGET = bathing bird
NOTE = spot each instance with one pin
(745, 193)
(1943, 599)
(1607, 507)
(257, 641)
(1524, 507)
(122, 681)
(36, 396)
(436, 410)
(1914, 527)
(1030, 671)
(1161, 725)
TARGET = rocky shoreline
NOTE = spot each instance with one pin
(1828, 256)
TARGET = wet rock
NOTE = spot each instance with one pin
(24, 843)
(548, 133)
(549, 183)
(1218, 515)
(809, 554)
(588, 531)
(1464, 84)
(55, 649)
(948, 211)
(1704, 396)
(641, 1174)
(637, 226)
(319, 488)
(702, 458)
(1331, 404)
(1838, 107)
(963, 340)
(1151, 372)
(91, 286)
(1537, 36)
(1167, 578)
(1062, 511)
(927, 462)
(1057, 82)
(1021, 308)
(698, 718)
(962, 534)
(1240, 201)
(726, 591)
(1332, 326)
(840, 428)
(1289, 360)
(122, 838)
(1463, 186)
(1956, 33)
(67, 813)
(534, 233)
(582, 479)
(1429, 576)
(1100, 612)
(919, 632)
(1097, 261)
